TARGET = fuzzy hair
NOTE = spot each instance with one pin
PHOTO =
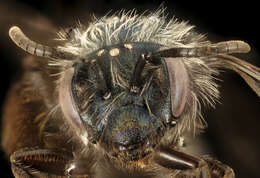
(126, 27)
(130, 27)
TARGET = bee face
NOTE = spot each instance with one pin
(123, 84)
(126, 123)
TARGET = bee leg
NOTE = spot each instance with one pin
(218, 169)
(31, 162)
(190, 167)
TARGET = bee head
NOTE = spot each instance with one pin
(127, 121)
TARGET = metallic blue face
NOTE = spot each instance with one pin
(126, 124)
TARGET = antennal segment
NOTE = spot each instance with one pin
(225, 47)
(21, 40)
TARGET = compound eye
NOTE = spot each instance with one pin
(179, 85)
(66, 100)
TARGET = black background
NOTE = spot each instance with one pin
(234, 126)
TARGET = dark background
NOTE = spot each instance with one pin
(234, 126)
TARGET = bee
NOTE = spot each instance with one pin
(115, 99)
